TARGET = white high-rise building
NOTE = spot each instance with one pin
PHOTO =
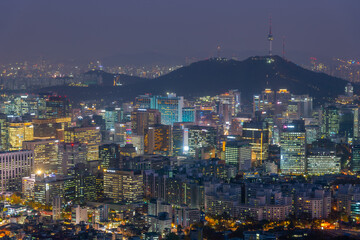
(14, 165)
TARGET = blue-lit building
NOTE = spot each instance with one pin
(112, 116)
(293, 148)
(188, 114)
(170, 106)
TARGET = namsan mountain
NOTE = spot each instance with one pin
(214, 76)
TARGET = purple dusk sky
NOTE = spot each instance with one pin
(84, 29)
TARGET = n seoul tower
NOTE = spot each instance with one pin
(270, 38)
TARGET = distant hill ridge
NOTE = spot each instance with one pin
(217, 75)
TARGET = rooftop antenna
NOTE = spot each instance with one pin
(218, 51)
(283, 47)
(270, 37)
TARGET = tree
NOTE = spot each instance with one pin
(172, 236)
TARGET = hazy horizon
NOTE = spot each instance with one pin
(83, 30)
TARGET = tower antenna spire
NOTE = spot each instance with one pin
(270, 36)
(283, 47)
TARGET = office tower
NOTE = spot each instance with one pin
(356, 125)
(312, 133)
(178, 140)
(121, 132)
(57, 207)
(188, 114)
(57, 107)
(47, 188)
(186, 216)
(257, 104)
(138, 143)
(283, 96)
(349, 90)
(109, 155)
(145, 102)
(170, 108)
(224, 111)
(14, 166)
(123, 186)
(196, 138)
(50, 128)
(90, 136)
(346, 123)
(19, 132)
(112, 116)
(28, 184)
(99, 121)
(304, 105)
(141, 119)
(99, 186)
(79, 214)
(84, 183)
(268, 96)
(127, 151)
(293, 148)
(355, 161)
(239, 154)
(292, 111)
(45, 154)
(4, 133)
(158, 140)
(330, 125)
(71, 154)
(258, 135)
(323, 162)
(237, 100)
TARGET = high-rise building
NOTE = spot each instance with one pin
(141, 119)
(84, 183)
(323, 163)
(19, 132)
(355, 161)
(170, 108)
(109, 155)
(356, 124)
(158, 140)
(47, 188)
(239, 154)
(188, 114)
(304, 105)
(196, 138)
(90, 136)
(293, 148)
(4, 133)
(71, 154)
(123, 186)
(14, 166)
(258, 135)
(79, 214)
(57, 107)
(145, 102)
(283, 96)
(112, 116)
(330, 121)
(45, 154)
(349, 90)
(50, 128)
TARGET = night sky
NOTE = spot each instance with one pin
(84, 29)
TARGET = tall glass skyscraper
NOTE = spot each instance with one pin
(293, 148)
(170, 106)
